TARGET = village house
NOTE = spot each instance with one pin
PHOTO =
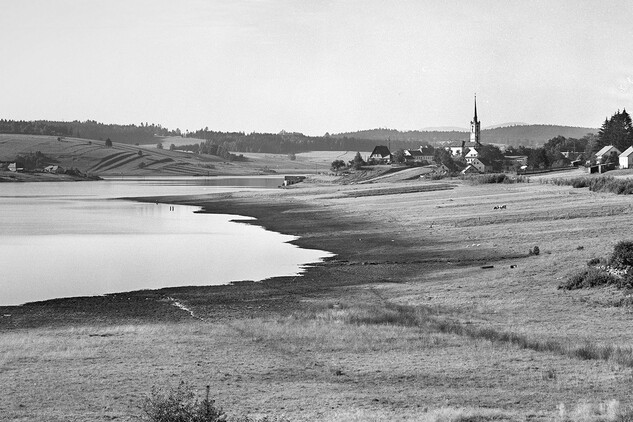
(428, 153)
(626, 158)
(413, 156)
(481, 165)
(418, 156)
(471, 155)
(470, 169)
(381, 155)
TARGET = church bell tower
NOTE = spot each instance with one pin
(474, 127)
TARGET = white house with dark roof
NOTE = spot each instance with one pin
(381, 155)
(470, 155)
(626, 158)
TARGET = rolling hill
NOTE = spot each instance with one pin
(94, 158)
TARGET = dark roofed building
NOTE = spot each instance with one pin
(381, 155)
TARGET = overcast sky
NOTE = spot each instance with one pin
(316, 66)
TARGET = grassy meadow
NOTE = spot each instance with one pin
(433, 310)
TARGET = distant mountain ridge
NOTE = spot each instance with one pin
(527, 135)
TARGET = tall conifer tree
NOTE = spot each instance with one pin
(617, 131)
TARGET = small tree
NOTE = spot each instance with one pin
(292, 156)
(357, 162)
(398, 156)
(159, 145)
(108, 143)
(172, 147)
(337, 164)
(140, 153)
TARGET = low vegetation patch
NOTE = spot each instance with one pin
(590, 277)
(181, 404)
(480, 179)
(597, 184)
(428, 322)
(586, 411)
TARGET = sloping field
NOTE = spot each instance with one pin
(93, 157)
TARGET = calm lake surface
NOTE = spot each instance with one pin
(72, 239)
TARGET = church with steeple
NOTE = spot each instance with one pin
(475, 138)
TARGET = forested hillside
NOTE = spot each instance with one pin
(129, 134)
(517, 135)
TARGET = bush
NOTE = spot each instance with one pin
(590, 277)
(622, 256)
(180, 404)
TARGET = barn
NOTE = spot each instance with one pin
(626, 158)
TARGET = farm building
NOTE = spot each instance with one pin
(604, 153)
(381, 155)
(626, 158)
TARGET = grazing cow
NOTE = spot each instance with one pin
(502, 207)
(496, 207)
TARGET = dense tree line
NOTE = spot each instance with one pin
(281, 143)
(89, 129)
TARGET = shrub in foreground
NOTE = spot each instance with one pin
(180, 404)
(589, 277)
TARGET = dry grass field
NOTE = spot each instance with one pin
(405, 324)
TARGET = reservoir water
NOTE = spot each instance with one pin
(74, 239)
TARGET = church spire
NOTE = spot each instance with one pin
(475, 127)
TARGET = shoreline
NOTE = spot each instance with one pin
(123, 306)
(312, 213)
